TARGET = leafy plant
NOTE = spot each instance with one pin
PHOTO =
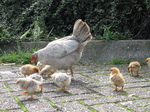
(110, 35)
(118, 61)
(4, 35)
(17, 56)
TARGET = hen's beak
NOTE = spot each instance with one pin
(16, 83)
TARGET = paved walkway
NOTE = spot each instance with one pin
(90, 91)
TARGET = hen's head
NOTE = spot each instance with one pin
(34, 57)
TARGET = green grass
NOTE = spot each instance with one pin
(20, 103)
(118, 61)
(17, 56)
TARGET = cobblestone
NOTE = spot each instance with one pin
(90, 91)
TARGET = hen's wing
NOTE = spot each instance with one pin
(62, 48)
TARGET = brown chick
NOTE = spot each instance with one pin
(134, 67)
(148, 62)
(28, 69)
(116, 78)
(28, 85)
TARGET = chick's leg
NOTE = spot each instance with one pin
(132, 73)
(41, 88)
(25, 92)
(121, 88)
(64, 89)
(60, 88)
(30, 97)
(115, 89)
(138, 74)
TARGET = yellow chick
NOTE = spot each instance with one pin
(134, 67)
(39, 78)
(28, 85)
(47, 70)
(148, 61)
(28, 69)
(40, 65)
(116, 78)
(61, 79)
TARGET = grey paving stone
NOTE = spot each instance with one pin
(108, 91)
(16, 110)
(101, 78)
(72, 107)
(79, 79)
(142, 109)
(137, 84)
(8, 103)
(3, 91)
(8, 74)
(140, 92)
(2, 85)
(48, 87)
(50, 94)
(97, 84)
(75, 89)
(10, 94)
(38, 105)
(128, 78)
(6, 68)
(113, 99)
(136, 103)
(73, 98)
(112, 107)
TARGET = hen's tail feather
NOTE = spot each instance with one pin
(81, 31)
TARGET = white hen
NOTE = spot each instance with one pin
(61, 79)
(67, 51)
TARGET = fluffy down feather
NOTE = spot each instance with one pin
(148, 61)
(67, 51)
(37, 77)
(28, 69)
(116, 78)
(47, 70)
(134, 67)
(40, 65)
(61, 79)
(28, 85)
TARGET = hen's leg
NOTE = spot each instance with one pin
(71, 71)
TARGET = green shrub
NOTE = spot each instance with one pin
(118, 61)
(18, 56)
